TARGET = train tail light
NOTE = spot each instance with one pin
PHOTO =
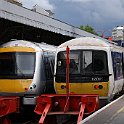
(98, 87)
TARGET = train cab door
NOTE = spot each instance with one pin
(118, 71)
(49, 72)
(123, 70)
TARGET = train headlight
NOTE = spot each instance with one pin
(31, 88)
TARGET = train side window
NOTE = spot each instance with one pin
(117, 65)
(123, 64)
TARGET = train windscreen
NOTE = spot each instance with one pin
(18, 65)
(85, 66)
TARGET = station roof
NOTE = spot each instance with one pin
(16, 13)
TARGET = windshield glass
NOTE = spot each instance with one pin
(17, 65)
(74, 62)
(94, 62)
(83, 63)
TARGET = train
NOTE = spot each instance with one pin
(26, 70)
(96, 67)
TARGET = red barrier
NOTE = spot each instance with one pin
(57, 104)
(8, 105)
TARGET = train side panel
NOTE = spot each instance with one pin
(117, 67)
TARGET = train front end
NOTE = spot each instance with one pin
(17, 66)
(88, 68)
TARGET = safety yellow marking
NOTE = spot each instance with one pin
(17, 49)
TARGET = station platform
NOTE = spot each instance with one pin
(113, 113)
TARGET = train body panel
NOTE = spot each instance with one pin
(85, 88)
(39, 80)
(14, 86)
(23, 69)
(96, 67)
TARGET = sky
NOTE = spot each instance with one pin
(102, 15)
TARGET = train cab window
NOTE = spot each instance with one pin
(94, 62)
(25, 63)
(6, 64)
(74, 57)
(61, 63)
(100, 62)
(98, 65)
(85, 65)
(17, 65)
(74, 62)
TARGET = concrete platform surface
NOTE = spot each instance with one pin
(112, 113)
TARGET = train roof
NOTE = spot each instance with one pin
(34, 45)
(45, 46)
(88, 41)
